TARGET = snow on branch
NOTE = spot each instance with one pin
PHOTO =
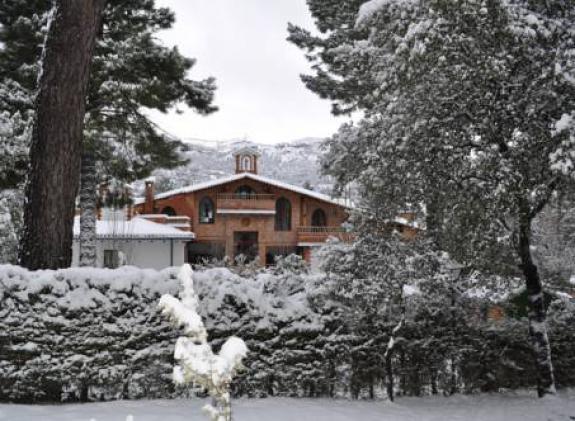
(371, 7)
(197, 364)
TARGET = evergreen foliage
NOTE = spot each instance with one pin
(466, 118)
(87, 334)
(131, 72)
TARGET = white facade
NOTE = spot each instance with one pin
(138, 242)
(145, 254)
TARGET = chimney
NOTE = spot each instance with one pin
(149, 203)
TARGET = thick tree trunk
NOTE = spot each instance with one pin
(537, 313)
(57, 135)
(88, 210)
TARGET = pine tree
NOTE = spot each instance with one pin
(466, 116)
(131, 71)
(371, 279)
(57, 134)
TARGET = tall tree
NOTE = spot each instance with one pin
(131, 72)
(467, 116)
(57, 134)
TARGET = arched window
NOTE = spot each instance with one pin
(283, 215)
(168, 210)
(207, 211)
(245, 191)
(246, 163)
(318, 218)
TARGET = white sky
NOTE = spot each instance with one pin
(242, 44)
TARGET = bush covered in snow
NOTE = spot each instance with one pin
(97, 334)
(197, 363)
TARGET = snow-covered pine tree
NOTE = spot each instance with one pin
(197, 364)
(131, 71)
(15, 132)
(554, 248)
(467, 111)
(371, 279)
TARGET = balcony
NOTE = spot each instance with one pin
(234, 203)
(321, 234)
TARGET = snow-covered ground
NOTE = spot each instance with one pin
(502, 407)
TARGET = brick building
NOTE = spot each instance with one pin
(249, 214)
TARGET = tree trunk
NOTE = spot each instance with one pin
(537, 313)
(57, 135)
(88, 210)
(388, 357)
(389, 376)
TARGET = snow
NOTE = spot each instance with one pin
(371, 7)
(135, 228)
(522, 406)
(564, 123)
(233, 350)
(409, 290)
(197, 364)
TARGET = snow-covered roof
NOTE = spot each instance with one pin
(136, 228)
(213, 183)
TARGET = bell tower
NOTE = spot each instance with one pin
(246, 160)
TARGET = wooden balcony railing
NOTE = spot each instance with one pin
(245, 196)
(321, 234)
(235, 201)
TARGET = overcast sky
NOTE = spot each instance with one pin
(242, 44)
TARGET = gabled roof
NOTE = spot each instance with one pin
(214, 183)
(135, 228)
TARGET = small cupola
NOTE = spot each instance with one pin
(246, 160)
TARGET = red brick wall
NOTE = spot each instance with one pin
(224, 226)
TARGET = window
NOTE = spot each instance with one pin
(168, 210)
(207, 215)
(245, 191)
(318, 218)
(111, 259)
(246, 163)
(283, 215)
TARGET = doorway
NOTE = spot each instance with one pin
(246, 244)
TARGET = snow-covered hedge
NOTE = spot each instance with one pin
(92, 334)
(83, 334)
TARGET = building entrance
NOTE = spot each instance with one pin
(246, 244)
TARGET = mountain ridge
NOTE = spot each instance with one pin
(295, 162)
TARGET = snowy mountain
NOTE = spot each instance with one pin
(295, 162)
